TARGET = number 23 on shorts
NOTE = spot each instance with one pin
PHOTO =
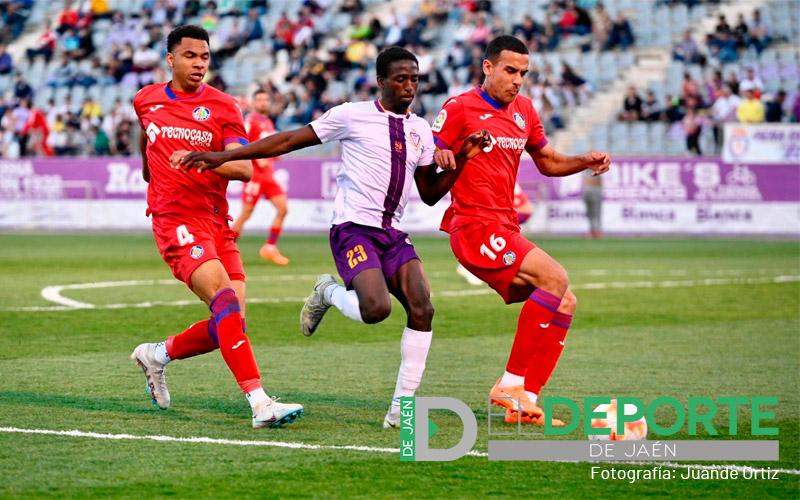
(356, 255)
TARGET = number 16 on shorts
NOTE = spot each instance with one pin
(497, 244)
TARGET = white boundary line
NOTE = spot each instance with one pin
(53, 293)
(305, 446)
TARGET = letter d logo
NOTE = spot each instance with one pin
(421, 451)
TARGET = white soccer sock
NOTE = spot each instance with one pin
(344, 300)
(510, 380)
(532, 396)
(414, 346)
(256, 397)
(162, 356)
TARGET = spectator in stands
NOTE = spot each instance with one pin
(6, 63)
(690, 87)
(15, 18)
(575, 87)
(751, 109)
(774, 109)
(714, 86)
(601, 25)
(99, 9)
(796, 106)
(651, 110)
(752, 80)
(68, 18)
(36, 131)
(758, 33)
(253, 29)
(687, 50)
(621, 34)
(22, 90)
(722, 25)
(526, 30)
(692, 126)
(101, 145)
(673, 111)
(20, 115)
(733, 82)
(9, 144)
(723, 111)
(45, 45)
(283, 33)
(632, 106)
(740, 32)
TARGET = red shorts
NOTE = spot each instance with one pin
(185, 242)
(491, 251)
(262, 184)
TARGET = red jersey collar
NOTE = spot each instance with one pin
(175, 95)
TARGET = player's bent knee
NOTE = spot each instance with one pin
(569, 302)
(375, 311)
(421, 316)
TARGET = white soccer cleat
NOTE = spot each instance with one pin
(273, 414)
(392, 418)
(471, 278)
(145, 357)
(315, 305)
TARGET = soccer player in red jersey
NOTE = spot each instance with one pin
(259, 125)
(190, 221)
(483, 225)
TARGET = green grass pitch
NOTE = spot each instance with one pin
(655, 317)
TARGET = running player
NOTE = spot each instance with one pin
(484, 229)
(190, 221)
(259, 125)
(384, 147)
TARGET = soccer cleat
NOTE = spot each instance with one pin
(144, 355)
(270, 252)
(513, 417)
(392, 418)
(514, 398)
(273, 414)
(315, 305)
(471, 278)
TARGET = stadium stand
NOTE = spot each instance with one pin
(69, 69)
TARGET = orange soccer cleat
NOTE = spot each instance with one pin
(271, 253)
(513, 417)
(513, 398)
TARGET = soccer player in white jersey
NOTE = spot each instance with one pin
(384, 147)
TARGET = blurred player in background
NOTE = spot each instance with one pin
(524, 209)
(259, 125)
(384, 149)
(484, 227)
(190, 221)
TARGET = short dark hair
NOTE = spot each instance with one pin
(186, 31)
(390, 55)
(504, 42)
(260, 91)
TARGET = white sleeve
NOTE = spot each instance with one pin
(334, 125)
(426, 158)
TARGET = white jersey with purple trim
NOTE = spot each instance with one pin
(380, 152)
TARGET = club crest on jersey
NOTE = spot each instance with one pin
(519, 120)
(416, 140)
(509, 258)
(438, 123)
(201, 113)
(398, 146)
(196, 252)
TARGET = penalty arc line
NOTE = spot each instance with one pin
(53, 293)
(305, 446)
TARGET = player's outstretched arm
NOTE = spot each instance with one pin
(268, 147)
(433, 185)
(554, 164)
(143, 152)
(237, 170)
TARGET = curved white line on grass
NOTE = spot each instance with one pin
(208, 440)
(53, 293)
(350, 447)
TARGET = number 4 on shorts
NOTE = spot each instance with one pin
(184, 236)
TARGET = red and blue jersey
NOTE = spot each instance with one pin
(485, 189)
(206, 120)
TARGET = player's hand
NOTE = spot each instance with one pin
(177, 157)
(474, 144)
(445, 159)
(201, 160)
(598, 161)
